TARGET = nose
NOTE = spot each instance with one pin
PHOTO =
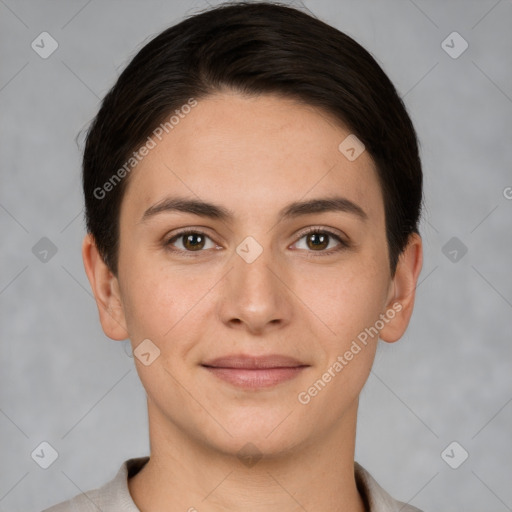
(254, 295)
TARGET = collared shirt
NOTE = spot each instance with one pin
(115, 496)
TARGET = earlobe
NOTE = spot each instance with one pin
(404, 290)
(106, 292)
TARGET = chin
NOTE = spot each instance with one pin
(262, 432)
(248, 446)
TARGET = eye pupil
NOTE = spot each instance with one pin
(190, 237)
(319, 240)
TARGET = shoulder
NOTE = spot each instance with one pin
(114, 496)
(378, 500)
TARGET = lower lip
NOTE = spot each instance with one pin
(256, 378)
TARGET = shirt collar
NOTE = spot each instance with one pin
(376, 499)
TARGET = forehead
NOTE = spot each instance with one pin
(253, 154)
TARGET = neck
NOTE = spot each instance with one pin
(186, 475)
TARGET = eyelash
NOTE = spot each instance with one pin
(342, 243)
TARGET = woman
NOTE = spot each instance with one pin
(253, 191)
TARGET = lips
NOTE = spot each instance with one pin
(254, 362)
(254, 372)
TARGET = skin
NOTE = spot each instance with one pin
(253, 155)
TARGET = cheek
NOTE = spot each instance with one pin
(150, 302)
(349, 302)
(166, 306)
(346, 299)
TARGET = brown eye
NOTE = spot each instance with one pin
(318, 240)
(191, 241)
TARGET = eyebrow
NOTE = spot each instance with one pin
(291, 211)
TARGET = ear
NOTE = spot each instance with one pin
(402, 290)
(105, 287)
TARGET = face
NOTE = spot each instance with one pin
(268, 279)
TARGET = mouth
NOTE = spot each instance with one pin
(254, 372)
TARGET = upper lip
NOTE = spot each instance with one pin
(254, 362)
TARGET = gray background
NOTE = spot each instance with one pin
(449, 379)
